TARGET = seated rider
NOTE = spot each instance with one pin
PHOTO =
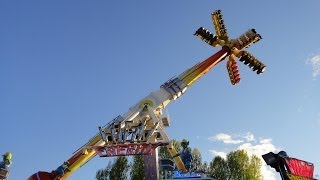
(5, 164)
(61, 170)
(185, 154)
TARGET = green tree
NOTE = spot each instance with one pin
(196, 160)
(119, 168)
(237, 166)
(137, 168)
(218, 168)
(103, 174)
(238, 163)
(252, 171)
(204, 167)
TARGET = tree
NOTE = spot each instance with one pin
(196, 159)
(204, 167)
(103, 174)
(253, 171)
(238, 165)
(218, 168)
(137, 168)
(119, 168)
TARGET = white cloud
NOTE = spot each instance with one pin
(237, 139)
(252, 147)
(225, 138)
(265, 146)
(315, 63)
(219, 153)
(249, 137)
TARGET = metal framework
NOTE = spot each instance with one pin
(234, 46)
(143, 125)
(289, 168)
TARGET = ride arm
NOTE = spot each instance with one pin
(176, 158)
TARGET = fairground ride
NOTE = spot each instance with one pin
(141, 129)
(289, 168)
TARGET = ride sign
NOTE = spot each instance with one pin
(127, 149)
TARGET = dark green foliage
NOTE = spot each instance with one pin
(196, 160)
(237, 166)
(114, 171)
(238, 163)
(119, 168)
(218, 168)
(103, 174)
(137, 168)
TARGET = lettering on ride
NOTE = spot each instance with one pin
(128, 149)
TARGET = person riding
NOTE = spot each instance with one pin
(4, 165)
(61, 170)
(185, 154)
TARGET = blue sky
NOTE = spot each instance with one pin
(67, 67)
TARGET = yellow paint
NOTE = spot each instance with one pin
(144, 102)
(188, 77)
(191, 75)
(219, 25)
(173, 152)
(295, 177)
(80, 162)
(85, 156)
